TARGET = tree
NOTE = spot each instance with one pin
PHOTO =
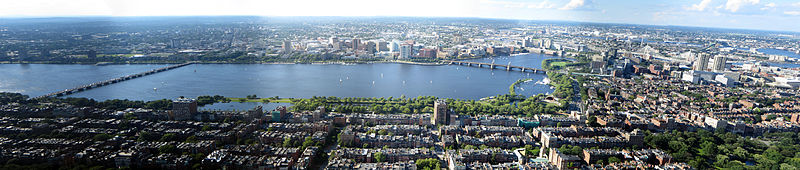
(167, 149)
(614, 160)
(708, 149)
(379, 156)
(428, 164)
(287, 142)
(308, 142)
(102, 137)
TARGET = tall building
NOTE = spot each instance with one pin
(427, 53)
(701, 64)
(371, 47)
(381, 46)
(355, 42)
(183, 108)
(720, 63)
(440, 114)
(333, 40)
(394, 46)
(547, 43)
(405, 51)
(91, 55)
(287, 46)
(527, 42)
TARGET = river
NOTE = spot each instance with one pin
(284, 80)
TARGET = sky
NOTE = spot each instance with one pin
(780, 15)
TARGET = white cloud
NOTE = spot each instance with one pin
(573, 4)
(701, 6)
(735, 5)
(542, 5)
(794, 13)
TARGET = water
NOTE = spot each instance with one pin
(267, 80)
(778, 52)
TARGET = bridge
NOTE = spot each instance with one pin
(492, 65)
(111, 81)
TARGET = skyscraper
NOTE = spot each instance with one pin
(720, 63)
(440, 115)
(91, 55)
(355, 43)
(381, 46)
(287, 46)
(405, 51)
(394, 46)
(371, 47)
(701, 64)
(183, 108)
(333, 40)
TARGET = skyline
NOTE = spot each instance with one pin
(772, 15)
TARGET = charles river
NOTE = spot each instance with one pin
(284, 80)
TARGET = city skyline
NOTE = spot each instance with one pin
(773, 15)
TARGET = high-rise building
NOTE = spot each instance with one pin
(370, 47)
(701, 63)
(720, 63)
(405, 51)
(355, 43)
(333, 40)
(91, 55)
(547, 43)
(183, 108)
(394, 46)
(527, 42)
(427, 53)
(287, 46)
(381, 46)
(440, 115)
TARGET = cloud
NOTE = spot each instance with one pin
(542, 5)
(735, 5)
(769, 6)
(793, 13)
(796, 4)
(701, 6)
(506, 4)
(573, 4)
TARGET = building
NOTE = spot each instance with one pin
(287, 46)
(394, 46)
(701, 63)
(371, 47)
(427, 53)
(720, 63)
(333, 40)
(381, 46)
(440, 114)
(355, 43)
(405, 51)
(91, 55)
(183, 108)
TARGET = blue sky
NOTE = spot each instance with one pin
(747, 14)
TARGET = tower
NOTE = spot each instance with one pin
(701, 64)
(183, 108)
(719, 63)
(440, 114)
(287, 46)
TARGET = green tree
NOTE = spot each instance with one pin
(101, 137)
(379, 156)
(428, 164)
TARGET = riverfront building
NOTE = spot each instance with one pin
(183, 108)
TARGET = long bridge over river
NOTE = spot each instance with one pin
(112, 81)
(492, 65)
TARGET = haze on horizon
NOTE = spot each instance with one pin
(775, 15)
